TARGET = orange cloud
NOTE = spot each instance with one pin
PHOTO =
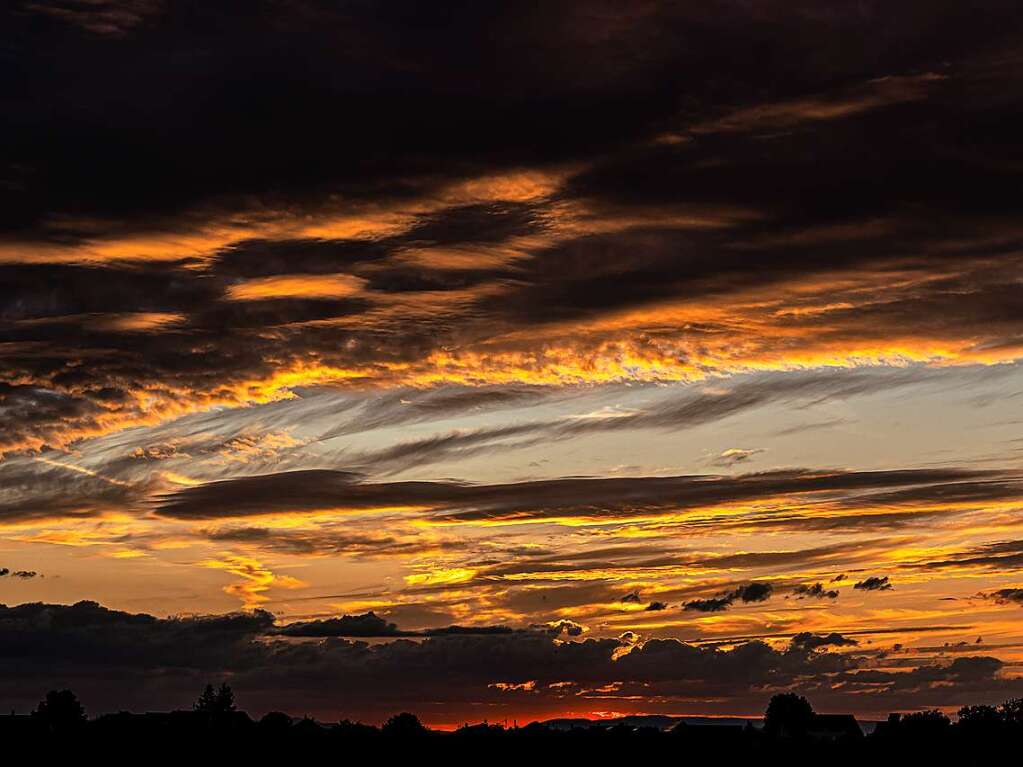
(296, 286)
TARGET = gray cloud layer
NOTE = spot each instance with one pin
(116, 659)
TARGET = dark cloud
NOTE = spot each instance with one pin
(23, 574)
(561, 627)
(454, 211)
(753, 592)
(87, 634)
(656, 606)
(588, 61)
(809, 641)
(632, 597)
(788, 165)
(107, 18)
(367, 625)
(874, 583)
(815, 591)
(370, 625)
(328, 539)
(48, 489)
(111, 660)
(306, 490)
(468, 631)
(1001, 555)
(1008, 596)
(712, 605)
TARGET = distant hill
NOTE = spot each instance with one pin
(667, 722)
(659, 722)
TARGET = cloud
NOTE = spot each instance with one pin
(367, 625)
(735, 455)
(809, 641)
(815, 591)
(712, 605)
(802, 428)
(485, 249)
(1000, 555)
(370, 625)
(753, 592)
(295, 286)
(321, 490)
(656, 606)
(468, 631)
(200, 261)
(110, 659)
(328, 539)
(874, 583)
(562, 627)
(790, 114)
(106, 18)
(23, 574)
(1006, 596)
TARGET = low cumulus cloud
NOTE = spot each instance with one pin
(1007, 596)
(874, 583)
(815, 591)
(753, 592)
(23, 574)
(807, 640)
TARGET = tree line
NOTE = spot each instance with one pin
(791, 733)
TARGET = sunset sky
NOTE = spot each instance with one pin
(670, 351)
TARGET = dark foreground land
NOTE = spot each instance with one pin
(791, 734)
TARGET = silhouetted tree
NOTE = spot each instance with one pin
(1012, 711)
(351, 729)
(979, 716)
(60, 711)
(403, 725)
(788, 714)
(212, 701)
(931, 722)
